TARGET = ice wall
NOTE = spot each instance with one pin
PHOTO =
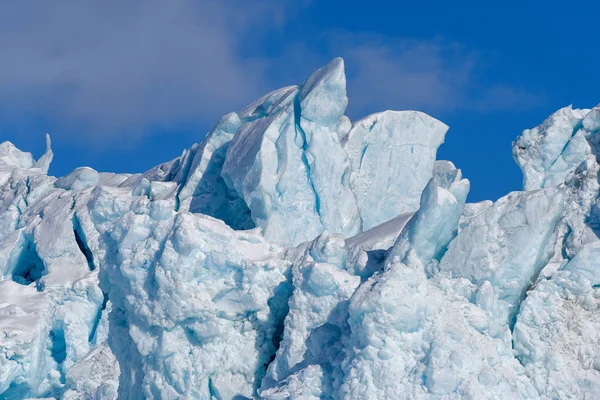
(293, 254)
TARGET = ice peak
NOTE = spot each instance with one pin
(323, 97)
(44, 161)
(10, 155)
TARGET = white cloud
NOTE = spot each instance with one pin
(435, 76)
(428, 75)
(116, 70)
(117, 67)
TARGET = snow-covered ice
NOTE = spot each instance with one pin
(293, 254)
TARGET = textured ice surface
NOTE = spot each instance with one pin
(316, 317)
(507, 246)
(414, 337)
(557, 337)
(294, 255)
(10, 156)
(291, 162)
(549, 153)
(200, 320)
(50, 301)
(392, 154)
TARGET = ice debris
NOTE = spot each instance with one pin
(294, 255)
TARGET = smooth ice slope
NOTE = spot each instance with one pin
(294, 255)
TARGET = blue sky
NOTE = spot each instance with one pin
(123, 86)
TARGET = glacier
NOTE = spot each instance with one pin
(295, 254)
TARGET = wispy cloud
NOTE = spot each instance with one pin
(117, 67)
(504, 97)
(401, 74)
(430, 75)
(116, 70)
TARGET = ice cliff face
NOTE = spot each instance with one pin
(296, 255)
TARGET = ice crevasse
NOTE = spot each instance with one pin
(294, 254)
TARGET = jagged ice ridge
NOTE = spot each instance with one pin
(293, 254)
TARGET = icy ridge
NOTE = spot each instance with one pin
(293, 254)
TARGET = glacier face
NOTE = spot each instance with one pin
(293, 254)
